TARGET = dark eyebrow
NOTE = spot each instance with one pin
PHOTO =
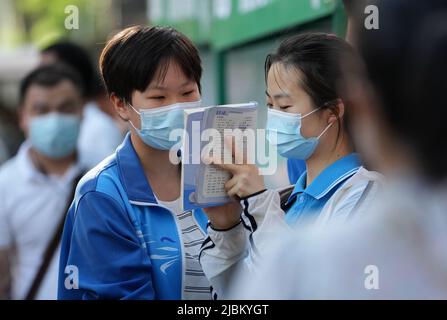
(158, 87)
(278, 96)
(39, 105)
(66, 102)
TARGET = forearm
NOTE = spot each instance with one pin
(228, 252)
(221, 254)
(263, 217)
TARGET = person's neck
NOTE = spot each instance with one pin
(48, 166)
(162, 174)
(316, 164)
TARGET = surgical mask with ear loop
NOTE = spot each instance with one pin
(157, 124)
(290, 142)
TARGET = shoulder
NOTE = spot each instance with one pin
(103, 179)
(100, 203)
(8, 170)
(363, 176)
(354, 196)
(8, 187)
(10, 176)
(363, 181)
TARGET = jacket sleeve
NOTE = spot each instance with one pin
(101, 257)
(227, 254)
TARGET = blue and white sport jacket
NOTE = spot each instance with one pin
(118, 243)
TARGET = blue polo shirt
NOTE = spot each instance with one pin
(305, 201)
(295, 168)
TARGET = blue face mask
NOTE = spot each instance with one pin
(55, 135)
(157, 124)
(289, 140)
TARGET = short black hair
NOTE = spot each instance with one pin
(78, 58)
(49, 76)
(133, 57)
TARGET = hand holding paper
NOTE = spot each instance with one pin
(203, 184)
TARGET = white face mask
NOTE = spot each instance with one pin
(158, 123)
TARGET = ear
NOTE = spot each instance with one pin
(120, 107)
(337, 110)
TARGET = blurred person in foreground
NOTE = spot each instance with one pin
(101, 130)
(36, 185)
(398, 251)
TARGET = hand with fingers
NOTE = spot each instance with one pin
(246, 179)
(245, 182)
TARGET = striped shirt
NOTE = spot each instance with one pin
(195, 285)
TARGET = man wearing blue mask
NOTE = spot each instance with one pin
(36, 185)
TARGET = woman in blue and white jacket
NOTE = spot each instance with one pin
(126, 236)
(308, 119)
